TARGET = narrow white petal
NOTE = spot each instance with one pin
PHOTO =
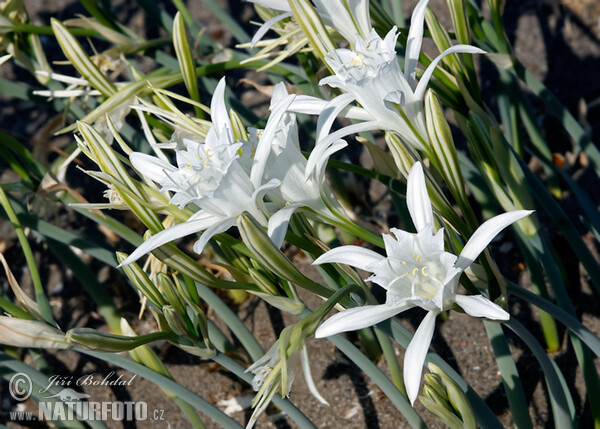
(266, 140)
(356, 256)
(168, 235)
(278, 223)
(360, 317)
(330, 113)
(260, 192)
(480, 306)
(321, 147)
(312, 388)
(417, 198)
(456, 49)
(211, 231)
(314, 106)
(414, 359)
(150, 166)
(218, 111)
(485, 233)
(266, 27)
(413, 43)
(322, 163)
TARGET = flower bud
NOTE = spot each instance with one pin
(174, 320)
(30, 333)
(265, 251)
(91, 339)
(444, 398)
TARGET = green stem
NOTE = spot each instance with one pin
(510, 376)
(562, 407)
(166, 383)
(232, 320)
(390, 357)
(46, 29)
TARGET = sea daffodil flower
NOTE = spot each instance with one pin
(370, 75)
(211, 176)
(417, 272)
(287, 165)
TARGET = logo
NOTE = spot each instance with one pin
(67, 395)
(67, 404)
(20, 386)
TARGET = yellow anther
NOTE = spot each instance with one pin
(208, 154)
(423, 270)
(189, 166)
(419, 259)
(415, 271)
(206, 164)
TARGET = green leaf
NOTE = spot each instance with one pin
(80, 60)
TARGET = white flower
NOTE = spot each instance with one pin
(287, 165)
(417, 272)
(370, 74)
(209, 175)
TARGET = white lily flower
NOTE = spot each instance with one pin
(370, 75)
(417, 272)
(287, 165)
(209, 175)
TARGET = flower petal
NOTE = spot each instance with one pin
(414, 359)
(322, 163)
(360, 317)
(278, 223)
(485, 233)
(330, 113)
(259, 194)
(312, 388)
(218, 111)
(314, 106)
(356, 256)
(211, 231)
(419, 93)
(480, 306)
(413, 43)
(168, 235)
(417, 198)
(150, 166)
(321, 147)
(266, 140)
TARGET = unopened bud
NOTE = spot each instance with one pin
(92, 339)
